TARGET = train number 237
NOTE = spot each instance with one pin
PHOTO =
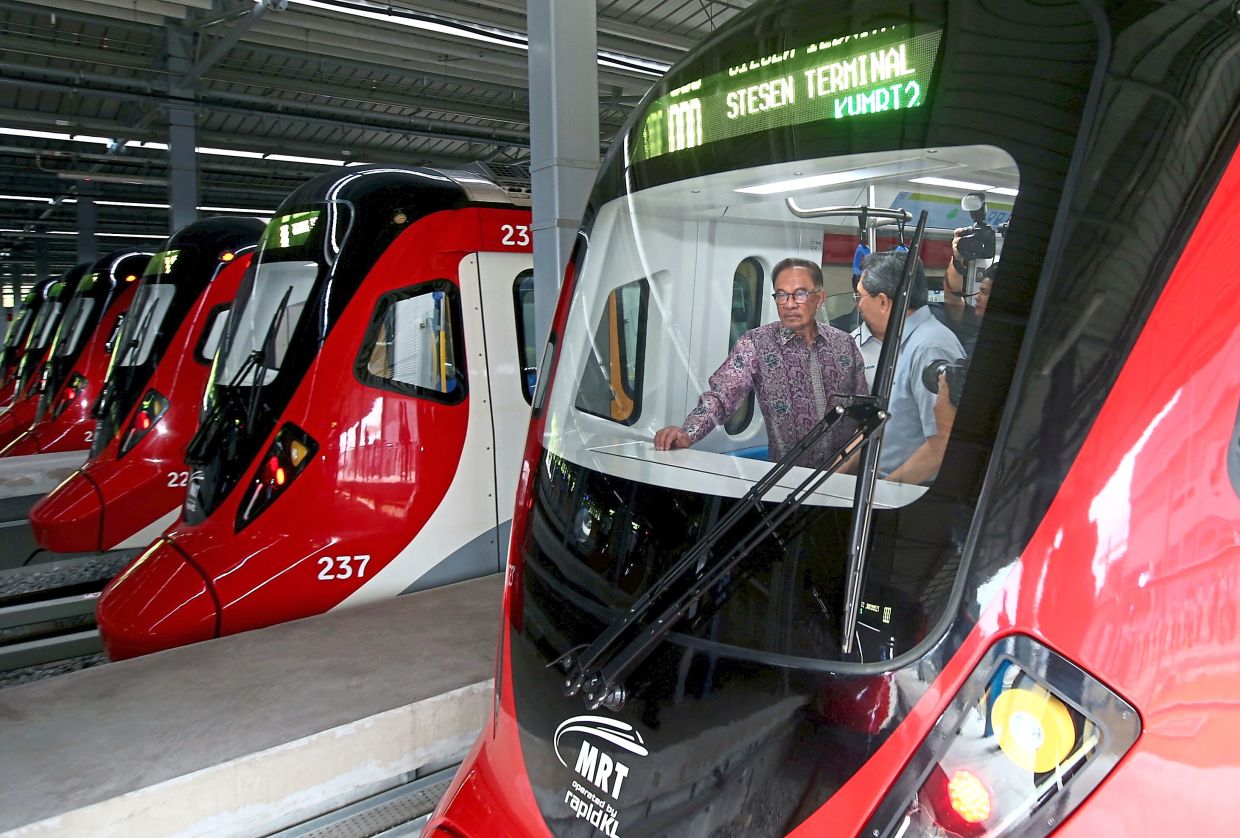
(342, 567)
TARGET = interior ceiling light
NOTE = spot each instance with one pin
(292, 158)
(472, 31)
(27, 198)
(865, 173)
(965, 185)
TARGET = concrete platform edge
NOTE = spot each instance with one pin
(282, 786)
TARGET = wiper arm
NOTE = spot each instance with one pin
(267, 344)
(863, 497)
(599, 669)
(197, 450)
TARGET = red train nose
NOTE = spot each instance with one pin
(25, 443)
(70, 518)
(9, 428)
(159, 601)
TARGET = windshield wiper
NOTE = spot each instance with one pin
(863, 497)
(600, 668)
(199, 445)
(266, 348)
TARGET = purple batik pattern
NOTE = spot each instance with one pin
(795, 385)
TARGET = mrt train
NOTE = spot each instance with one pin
(75, 360)
(132, 487)
(365, 414)
(1041, 638)
(16, 336)
(27, 374)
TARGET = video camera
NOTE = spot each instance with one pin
(955, 372)
(979, 242)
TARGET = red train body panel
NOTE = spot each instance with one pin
(1057, 606)
(119, 500)
(364, 514)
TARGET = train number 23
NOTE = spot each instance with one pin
(342, 567)
(515, 235)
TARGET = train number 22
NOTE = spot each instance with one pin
(342, 567)
(515, 235)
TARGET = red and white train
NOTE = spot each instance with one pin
(365, 417)
(53, 414)
(28, 372)
(1041, 639)
(132, 487)
(16, 337)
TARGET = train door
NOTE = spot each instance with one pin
(506, 282)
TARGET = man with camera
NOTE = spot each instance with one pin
(913, 441)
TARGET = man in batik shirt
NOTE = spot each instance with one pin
(798, 367)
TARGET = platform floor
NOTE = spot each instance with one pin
(194, 741)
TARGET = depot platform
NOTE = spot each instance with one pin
(23, 480)
(254, 733)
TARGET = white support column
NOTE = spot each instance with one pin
(564, 138)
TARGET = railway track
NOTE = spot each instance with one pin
(47, 615)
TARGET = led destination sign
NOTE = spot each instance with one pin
(290, 230)
(844, 78)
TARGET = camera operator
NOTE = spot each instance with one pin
(913, 442)
(969, 244)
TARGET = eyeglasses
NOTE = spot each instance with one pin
(800, 295)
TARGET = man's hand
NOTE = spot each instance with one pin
(670, 438)
(944, 410)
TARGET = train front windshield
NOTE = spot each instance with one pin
(271, 307)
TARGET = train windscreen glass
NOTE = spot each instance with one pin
(269, 308)
(45, 324)
(18, 331)
(669, 283)
(76, 318)
(143, 323)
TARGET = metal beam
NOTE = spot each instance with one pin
(225, 43)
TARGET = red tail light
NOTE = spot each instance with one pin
(290, 453)
(152, 409)
(1028, 737)
(77, 383)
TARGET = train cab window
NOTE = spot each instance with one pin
(20, 328)
(45, 324)
(204, 353)
(746, 315)
(266, 321)
(143, 323)
(611, 380)
(413, 344)
(76, 318)
(523, 305)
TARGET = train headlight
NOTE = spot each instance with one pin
(1028, 738)
(288, 456)
(66, 397)
(152, 409)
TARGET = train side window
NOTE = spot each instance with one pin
(204, 352)
(413, 343)
(523, 305)
(611, 382)
(746, 315)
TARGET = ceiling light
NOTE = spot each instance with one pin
(131, 204)
(865, 173)
(239, 209)
(476, 32)
(226, 152)
(1003, 190)
(160, 236)
(292, 158)
(953, 184)
(30, 198)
